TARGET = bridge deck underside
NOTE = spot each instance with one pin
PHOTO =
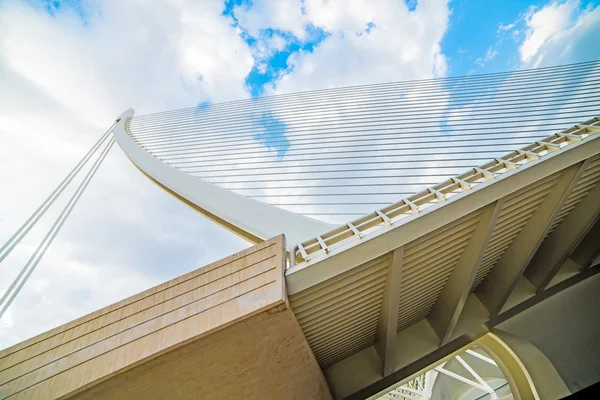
(436, 252)
(460, 268)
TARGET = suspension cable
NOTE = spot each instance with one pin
(16, 238)
(18, 283)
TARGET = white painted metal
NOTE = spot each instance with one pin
(499, 284)
(362, 287)
(479, 379)
(343, 296)
(556, 247)
(452, 299)
(480, 356)
(388, 317)
(247, 217)
(460, 378)
(340, 153)
(421, 387)
(376, 238)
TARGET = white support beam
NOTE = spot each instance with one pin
(563, 240)
(430, 378)
(498, 285)
(385, 342)
(481, 357)
(460, 378)
(450, 303)
(475, 374)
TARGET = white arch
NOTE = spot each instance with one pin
(251, 219)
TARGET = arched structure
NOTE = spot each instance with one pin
(334, 155)
(474, 195)
(478, 197)
(249, 218)
(490, 368)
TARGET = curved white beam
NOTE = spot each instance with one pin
(251, 219)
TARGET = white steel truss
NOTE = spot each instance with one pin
(422, 386)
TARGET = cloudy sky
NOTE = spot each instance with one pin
(68, 68)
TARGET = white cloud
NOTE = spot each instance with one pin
(504, 28)
(283, 15)
(561, 32)
(366, 42)
(63, 82)
(490, 54)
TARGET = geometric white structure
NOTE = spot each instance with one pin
(445, 264)
(332, 155)
(461, 227)
(249, 218)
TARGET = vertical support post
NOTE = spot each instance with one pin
(498, 285)
(385, 342)
(430, 377)
(563, 240)
(589, 247)
(450, 303)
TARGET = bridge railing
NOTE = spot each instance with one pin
(354, 230)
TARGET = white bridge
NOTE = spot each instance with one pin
(418, 216)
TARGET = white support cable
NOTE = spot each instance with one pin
(464, 149)
(234, 172)
(349, 136)
(323, 131)
(224, 140)
(16, 286)
(322, 102)
(463, 182)
(237, 130)
(319, 153)
(245, 131)
(504, 76)
(16, 238)
(318, 146)
(300, 132)
(237, 105)
(188, 133)
(370, 157)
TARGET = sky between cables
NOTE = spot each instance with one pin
(335, 154)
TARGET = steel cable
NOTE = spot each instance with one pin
(345, 90)
(10, 244)
(18, 283)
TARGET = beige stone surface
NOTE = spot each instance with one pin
(224, 330)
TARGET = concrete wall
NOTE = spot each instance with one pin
(566, 328)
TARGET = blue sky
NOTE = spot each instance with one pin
(481, 36)
(70, 67)
(477, 29)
